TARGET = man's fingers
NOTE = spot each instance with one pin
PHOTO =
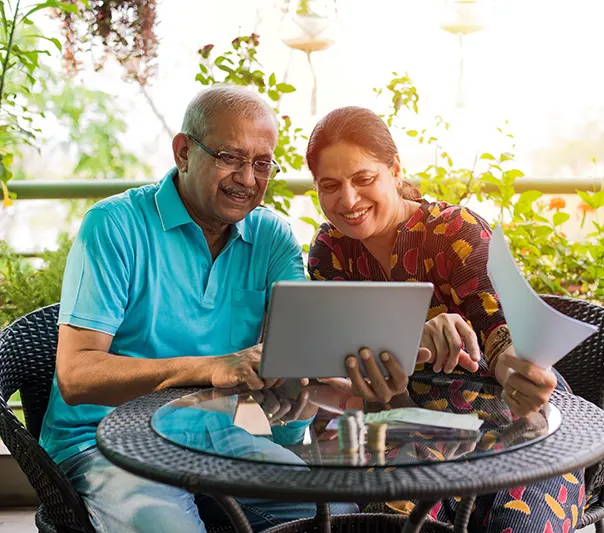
(251, 379)
(359, 385)
(378, 380)
(253, 360)
(269, 383)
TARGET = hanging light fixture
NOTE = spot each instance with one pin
(462, 18)
(309, 26)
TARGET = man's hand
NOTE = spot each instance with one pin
(280, 409)
(526, 387)
(240, 368)
(442, 344)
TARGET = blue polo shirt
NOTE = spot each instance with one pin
(140, 269)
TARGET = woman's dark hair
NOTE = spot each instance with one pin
(360, 127)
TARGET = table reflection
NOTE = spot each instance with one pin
(298, 426)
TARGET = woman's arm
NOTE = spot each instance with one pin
(465, 280)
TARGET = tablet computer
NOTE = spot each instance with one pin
(312, 326)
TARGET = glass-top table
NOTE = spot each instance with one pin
(293, 425)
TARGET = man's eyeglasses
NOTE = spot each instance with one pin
(264, 170)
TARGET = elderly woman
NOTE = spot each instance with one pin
(381, 229)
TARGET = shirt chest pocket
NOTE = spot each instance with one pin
(247, 316)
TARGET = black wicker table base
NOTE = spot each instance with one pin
(359, 523)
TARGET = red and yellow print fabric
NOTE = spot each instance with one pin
(441, 243)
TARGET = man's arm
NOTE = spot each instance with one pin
(88, 374)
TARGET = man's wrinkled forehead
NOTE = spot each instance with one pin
(225, 118)
(234, 132)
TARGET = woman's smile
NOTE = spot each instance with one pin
(356, 216)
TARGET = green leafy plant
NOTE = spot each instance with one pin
(550, 261)
(94, 125)
(24, 287)
(240, 66)
(21, 48)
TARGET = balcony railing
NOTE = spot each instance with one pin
(101, 188)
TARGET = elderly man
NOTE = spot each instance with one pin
(166, 286)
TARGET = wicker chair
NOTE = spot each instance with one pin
(27, 364)
(583, 368)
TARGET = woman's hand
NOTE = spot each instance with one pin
(526, 387)
(445, 337)
(377, 387)
(443, 340)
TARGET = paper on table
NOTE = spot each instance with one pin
(417, 415)
(540, 334)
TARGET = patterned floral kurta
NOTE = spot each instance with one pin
(448, 246)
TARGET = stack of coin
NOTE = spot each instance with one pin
(348, 433)
(376, 437)
(362, 430)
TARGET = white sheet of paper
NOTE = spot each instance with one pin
(540, 334)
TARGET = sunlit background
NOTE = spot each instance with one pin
(534, 63)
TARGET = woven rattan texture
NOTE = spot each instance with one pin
(359, 523)
(125, 436)
(583, 368)
(27, 362)
(593, 514)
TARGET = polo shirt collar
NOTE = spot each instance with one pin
(242, 229)
(171, 210)
(173, 213)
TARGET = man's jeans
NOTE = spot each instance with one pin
(120, 502)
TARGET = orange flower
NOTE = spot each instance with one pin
(557, 203)
(585, 208)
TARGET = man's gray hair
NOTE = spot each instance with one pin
(207, 103)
